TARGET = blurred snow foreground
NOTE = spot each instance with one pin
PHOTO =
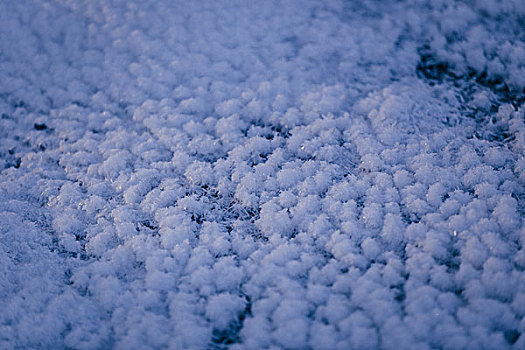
(251, 175)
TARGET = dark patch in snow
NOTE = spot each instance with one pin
(431, 69)
(39, 126)
(222, 338)
(511, 336)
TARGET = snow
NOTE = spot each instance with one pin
(249, 175)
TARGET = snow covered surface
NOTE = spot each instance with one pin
(262, 174)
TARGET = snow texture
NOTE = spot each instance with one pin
(262, 174)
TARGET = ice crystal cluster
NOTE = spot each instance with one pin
(262, 174)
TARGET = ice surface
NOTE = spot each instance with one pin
(249, 175)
